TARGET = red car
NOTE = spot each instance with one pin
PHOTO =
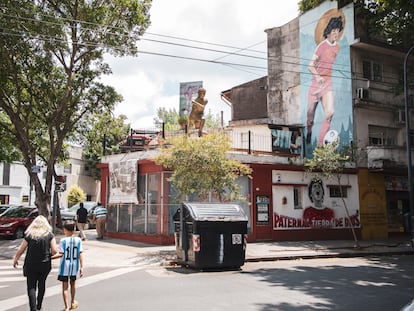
(15, 220)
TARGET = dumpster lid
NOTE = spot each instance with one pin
(215, 211)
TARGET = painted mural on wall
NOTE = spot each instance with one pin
(287, 140)
(123, 181)
(316, 211)
(325, 36)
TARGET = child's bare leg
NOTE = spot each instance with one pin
(65, 294)
(72, 290)
(74, 303)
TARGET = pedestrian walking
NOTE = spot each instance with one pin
(81, 219)
(41, 246)
(99, 215)
(71, 262)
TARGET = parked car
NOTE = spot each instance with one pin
(15, 220)
(4, 208)
(409, 306)
(70, 213)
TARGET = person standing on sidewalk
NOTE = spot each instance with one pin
(41, 246)
(71, 262)
(81, 219)
(99, 215)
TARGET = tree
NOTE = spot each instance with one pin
(75, 195)
(168, 117)
(393, 19)
(171, 118)
(8, 150)
(327, 162)
(306, 5)
(201, 165)
(100, 135)
(51, 56)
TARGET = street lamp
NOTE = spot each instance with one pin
(408, 138)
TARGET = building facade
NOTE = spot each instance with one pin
(277, 122)
(16, 188)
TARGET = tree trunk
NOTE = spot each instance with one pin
(347, 213)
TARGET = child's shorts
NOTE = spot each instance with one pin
(65, 278)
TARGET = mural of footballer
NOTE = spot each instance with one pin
(318, 216)
(327, 33)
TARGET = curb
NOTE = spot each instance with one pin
(333, 255)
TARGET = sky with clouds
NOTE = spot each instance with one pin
(220, 42)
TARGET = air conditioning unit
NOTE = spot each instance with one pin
(362, 93)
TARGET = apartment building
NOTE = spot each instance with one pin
(277, 121)
(16, 188)
(365, 111)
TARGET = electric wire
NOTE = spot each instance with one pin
(214, 61)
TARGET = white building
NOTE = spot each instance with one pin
(15, 186)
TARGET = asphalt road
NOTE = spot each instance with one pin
(369, 283)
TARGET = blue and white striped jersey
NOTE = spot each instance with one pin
(70, 247)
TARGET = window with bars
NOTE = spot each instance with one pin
(382, 136)
(335, 191)
(297, 198)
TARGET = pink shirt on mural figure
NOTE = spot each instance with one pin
(326, 53)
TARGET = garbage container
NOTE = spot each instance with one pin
(210, 235)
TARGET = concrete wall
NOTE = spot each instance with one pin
(283, 74)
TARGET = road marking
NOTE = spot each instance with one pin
(17, 301)
(12, 279)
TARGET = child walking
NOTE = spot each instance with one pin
(71, 262)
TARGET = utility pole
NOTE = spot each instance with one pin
(408, 138)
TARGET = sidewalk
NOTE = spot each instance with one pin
(115, 252)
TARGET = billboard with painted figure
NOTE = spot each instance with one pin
(188, 92)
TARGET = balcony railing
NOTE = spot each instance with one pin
(382, 158)
(243, 142)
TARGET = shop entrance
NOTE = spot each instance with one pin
(398, 211)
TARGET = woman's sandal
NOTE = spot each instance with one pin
(74, 305)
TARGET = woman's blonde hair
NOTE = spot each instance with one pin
(39, 227)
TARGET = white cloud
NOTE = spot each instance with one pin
(150, 81)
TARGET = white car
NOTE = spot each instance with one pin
(70, 213)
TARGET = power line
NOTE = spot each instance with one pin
(233, 65)
(53, 39)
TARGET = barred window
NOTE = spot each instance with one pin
(335, 191)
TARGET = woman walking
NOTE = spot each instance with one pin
(41, 245)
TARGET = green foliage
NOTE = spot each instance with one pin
(172, 120)
(182, 120)
(306, 5)
(75, 195)
(326, 161)
(169, 118)
(51, 57)
(100, 134)
(212, 121)
(393, 19)
(200, 165)
(9, 151)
